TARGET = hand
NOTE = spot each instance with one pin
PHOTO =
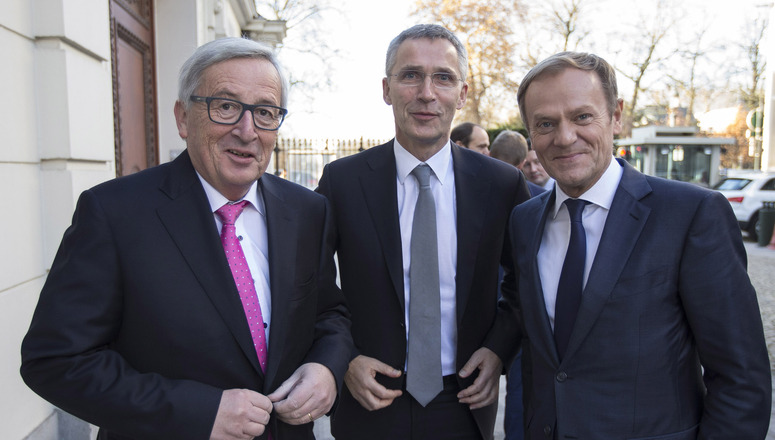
(484, 390)
(360, 380)
(308, 394)
(242, 414)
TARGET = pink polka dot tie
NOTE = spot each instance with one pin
(228, 214)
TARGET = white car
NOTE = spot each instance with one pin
(746, 191)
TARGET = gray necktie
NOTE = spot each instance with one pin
(423, 371)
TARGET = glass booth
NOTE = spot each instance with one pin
(675, 153)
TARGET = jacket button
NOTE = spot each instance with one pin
(561, 376)
(548, 431)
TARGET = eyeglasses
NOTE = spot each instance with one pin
(229, 112)
(414, 78)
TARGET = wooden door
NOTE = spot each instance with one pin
(134, 88)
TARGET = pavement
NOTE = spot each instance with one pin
(761, 270)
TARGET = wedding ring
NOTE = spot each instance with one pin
(311, 419)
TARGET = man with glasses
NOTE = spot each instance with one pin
(197, 299)
(420, 226)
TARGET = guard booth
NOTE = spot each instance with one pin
(675, 153)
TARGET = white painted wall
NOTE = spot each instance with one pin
(56, 140)
(177, 36)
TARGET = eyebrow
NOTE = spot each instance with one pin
(420, 69)
(233, 96)
(585, 108)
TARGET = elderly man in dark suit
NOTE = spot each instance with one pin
(151, 326)
(639, 318)
(420, 228)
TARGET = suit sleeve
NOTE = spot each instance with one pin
(722, 310)
(67, 354)
(504, 338)
(333, 345)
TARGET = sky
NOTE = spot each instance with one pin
(354, 107)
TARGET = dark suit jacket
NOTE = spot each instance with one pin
(140, 328)
(667, 296)
(535, 189)
(362, 192)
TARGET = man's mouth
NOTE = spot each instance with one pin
(237, 153)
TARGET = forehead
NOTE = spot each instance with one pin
(425, 53)
(479, 133)
(569, 88)
(243, 77)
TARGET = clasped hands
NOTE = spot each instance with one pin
(362, 383)
(305, 396)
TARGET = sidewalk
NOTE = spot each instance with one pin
(761, 269)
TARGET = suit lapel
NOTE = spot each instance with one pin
(472, 189)
(191, 226)
(532, 301)
(622, 230)
(378, 184)
(282, 230)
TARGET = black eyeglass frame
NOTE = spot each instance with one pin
(245, 108)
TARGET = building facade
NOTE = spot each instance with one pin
(89, 89)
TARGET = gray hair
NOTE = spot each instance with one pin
(224, 49)
(510, 147)
(431, 32)
(572, 60)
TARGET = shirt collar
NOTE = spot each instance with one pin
(602, 192)
(217, 199)
(405, 162)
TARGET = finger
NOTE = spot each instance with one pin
(284, 389)
(386, 369)
(373, 403)
(473, 363)
(293, 406)
(260, 401)
(253, 429)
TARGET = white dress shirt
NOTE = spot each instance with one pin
(554, 242)
(252, 232)
(443, 188)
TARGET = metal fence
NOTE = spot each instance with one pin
(302, 160)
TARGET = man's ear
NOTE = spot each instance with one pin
(181, 118)
(462, 98)
(386, 91)
(617, 116)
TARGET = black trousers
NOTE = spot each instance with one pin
(444, 418)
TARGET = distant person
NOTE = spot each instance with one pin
(472, 136)
(639, 317)
(420, 226)
(197, 299)
(534, 171)
(511, 147)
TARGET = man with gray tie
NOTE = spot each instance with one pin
(420, 231)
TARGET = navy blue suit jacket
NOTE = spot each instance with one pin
(668, 341)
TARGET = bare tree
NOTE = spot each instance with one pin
(305, 23)
(565, 19)
(550, 27)
(751, 92)
(647, 52)
(689, 86)
(487, 34)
